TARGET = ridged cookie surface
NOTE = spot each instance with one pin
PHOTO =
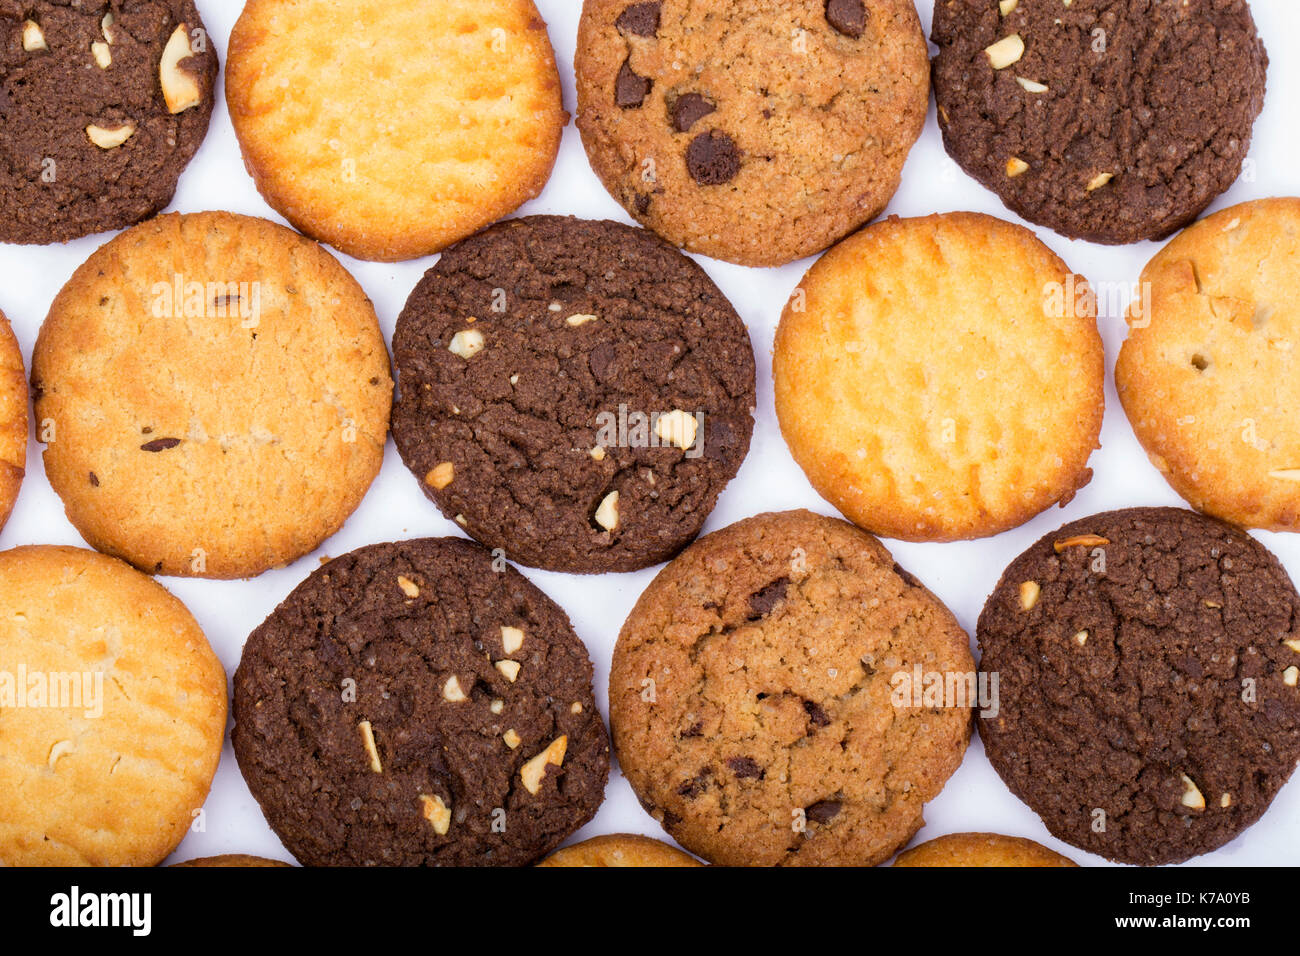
(1210, 374)
(941, 378)
(214, 392)
(112, 712)
(391, 130)
(755, 696)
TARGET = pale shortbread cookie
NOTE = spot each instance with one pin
(620, 850)
(13, 419)
(391, 130)
(981, 849)
(112, 712)
(941, 378)
(221, 431)
(1210, 374)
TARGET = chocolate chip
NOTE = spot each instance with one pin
(94, 480)
(160, 444)
(696, 786)
(712, 158)
(630, 90)
(816, 714)
(602, 361)
(823, 811)
(641, 19)
(848, 17)
(689, 110)
(745, 768)
(643, 203)
(762, 602)
(907, 576)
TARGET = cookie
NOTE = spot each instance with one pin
(416, 704)
(13, 419)
(1209, 374)
(575, 393)
(1148, 700)
(763, 700)
(232, 859)
(979, 850)
(102, 106)
(213, 392)
(112, 712)
(1111, 122)
(391, 130)
(754, 132)
(941, 378)
(620, 849)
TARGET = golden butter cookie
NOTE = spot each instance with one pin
(213, 391)
(748, 130)
(1210, 373)
(981, 849)
(620, 849)
(13, 420)
(941, 378)
(764, 698)
(391, 130)
(233, 860)
(112, 712)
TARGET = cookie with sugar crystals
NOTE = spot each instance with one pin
(213, 391)
(391, 130)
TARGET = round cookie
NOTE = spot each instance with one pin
(620, 849)
(941, 378)
(763, 702)
(102, 106)
(980, 850)
(754, 132)
(1111, 122)
(391, 130)
(213, 391)
(419, 704)
(232, 860)
(1148, 664)
(1210, 375)
(576, 393)
(13, 419)
(112, 712)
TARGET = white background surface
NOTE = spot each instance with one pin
(962, 574)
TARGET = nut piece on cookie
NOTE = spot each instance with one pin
(110, 138)
(180, 88)
(437, 813)
(534, 770)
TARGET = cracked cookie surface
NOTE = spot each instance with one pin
(1148, 663)
(751, 131)
(1106, 120)
(416, 704)
(214, 392)
(753, 696)
(1210, 373)
(70, 66)
(576, 393)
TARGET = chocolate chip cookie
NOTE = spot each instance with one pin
(419, 704)
(1148, 662)
(767, 696)
(751, 131)
(576, 393)
(1108, 121)
(102, 105)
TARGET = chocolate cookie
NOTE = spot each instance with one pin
(577, 393)
(102, 105)
(763, 699)
(1148, 663)
(752, 131)
(419, 704)
(1108, 121)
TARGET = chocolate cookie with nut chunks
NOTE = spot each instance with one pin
(102, 105)
(1108, 121)
(755, 696)
(751, 131)
(1148, 664)
(419, 704)
(576, 393)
